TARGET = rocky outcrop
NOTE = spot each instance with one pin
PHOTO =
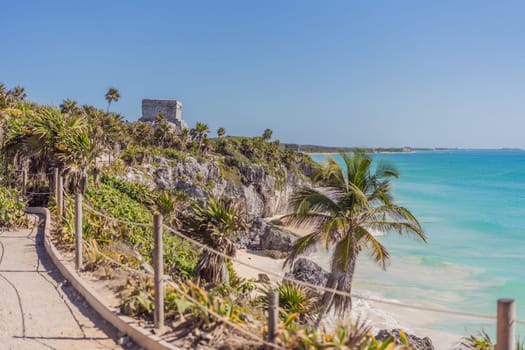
(258, 192)
(415, 342)
(274, 238)
(267, 237)
(307, 271)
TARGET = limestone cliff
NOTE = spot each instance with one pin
(260, 192)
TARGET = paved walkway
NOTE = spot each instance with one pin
(38, 309)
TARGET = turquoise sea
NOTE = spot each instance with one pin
(471, 204)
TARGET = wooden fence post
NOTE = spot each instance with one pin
(78, 231)
(158, 265)
(60, 196)
(273, 315)
(55, 184)
(24, 182)
(505, 338)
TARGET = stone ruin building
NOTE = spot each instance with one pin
(171, 109)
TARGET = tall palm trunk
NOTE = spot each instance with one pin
(341, 281)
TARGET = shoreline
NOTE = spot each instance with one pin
(379, 315)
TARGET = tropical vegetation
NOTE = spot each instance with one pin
(353, 203)
(95, 150)
(12, 206)
(215, 224)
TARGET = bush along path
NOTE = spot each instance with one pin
(38, 309)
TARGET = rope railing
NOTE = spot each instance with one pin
(504, 305)
(125, 222)
(225, 320)
(508, 314)
(304, 283)
(38, 193)
(330, 290)
(31, 174)
(115, 262)
(191, 299)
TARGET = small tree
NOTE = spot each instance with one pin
(112, 95)
(199, 134)
(215, 224)
(221, 132)
(267, 134)
(69, 106)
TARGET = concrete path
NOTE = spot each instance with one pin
(38, 309)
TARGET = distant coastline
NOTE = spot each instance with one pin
(332, 149)
(317, 149)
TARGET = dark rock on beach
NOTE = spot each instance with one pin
(268, 237)
(415, 342)
(307, 271)
(274, 238)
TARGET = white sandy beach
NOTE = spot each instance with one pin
(381, 316)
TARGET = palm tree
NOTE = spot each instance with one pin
(163, 135)
(354, 204)
(3, 95)
(160, 118)
(45, 136)
(215, 224)
(221, 132)
(10, 98)
(142, 133)
(267, 134)
(69, 106)
(18, 93)
(184, 139)
(112, 95)
(78, 157)
(199, 134)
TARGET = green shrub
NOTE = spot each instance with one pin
(137, 298)
(12, 208)
(136, 191)
(293, 299)
(123, 201)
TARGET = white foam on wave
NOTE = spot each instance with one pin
(377, 318)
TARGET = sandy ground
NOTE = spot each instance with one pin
(380, 315)
(38, 309)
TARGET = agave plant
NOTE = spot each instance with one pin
(166, 205)
(293, 299)
(215, 224)
(479, 341)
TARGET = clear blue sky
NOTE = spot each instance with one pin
(345, 73)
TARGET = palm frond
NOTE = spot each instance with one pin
(301, 245)
(390, 218)
(386, 169)
(306, 220)
(321, 199)
(376, 250)
(332, 174)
